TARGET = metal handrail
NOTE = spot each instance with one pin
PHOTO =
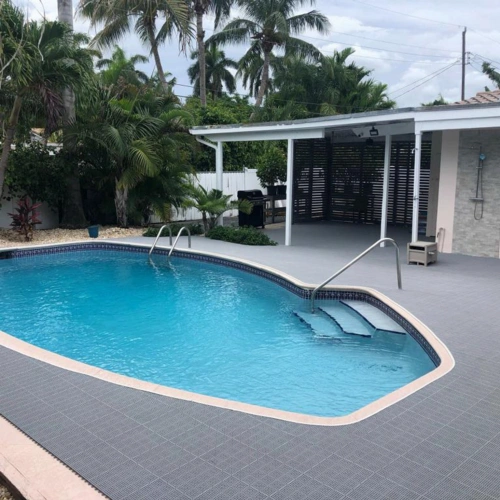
(353, 261)
(177, 239)
(158, 236)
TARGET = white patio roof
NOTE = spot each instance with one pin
(387, 122)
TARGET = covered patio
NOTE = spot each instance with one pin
(417, 147)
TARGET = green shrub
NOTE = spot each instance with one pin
(195, 228)
(241, 235)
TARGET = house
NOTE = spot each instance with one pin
(434, 169)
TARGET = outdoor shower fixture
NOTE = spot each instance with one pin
(479, 199)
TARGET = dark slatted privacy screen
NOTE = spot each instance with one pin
(343, 182)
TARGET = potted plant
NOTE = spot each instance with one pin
(271, 169)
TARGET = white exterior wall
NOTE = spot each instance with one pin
(447, 189)
(49, 217)
(232, 183)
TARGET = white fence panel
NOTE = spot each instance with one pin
(232, 183)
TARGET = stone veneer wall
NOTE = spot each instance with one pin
(470, 236)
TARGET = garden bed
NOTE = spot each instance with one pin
(9, 238)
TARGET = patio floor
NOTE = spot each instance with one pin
(441, 443)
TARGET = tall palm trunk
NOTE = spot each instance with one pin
(121, 198)
(73, 215)
(9, 138)
(156, 55)
(200, 38)
(265, 79)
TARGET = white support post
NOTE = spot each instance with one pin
(416, 186)
(385, 188)
(219, 168)
(289, 194)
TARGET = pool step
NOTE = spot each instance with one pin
(377, 318)
(348, 319)
(321, 325)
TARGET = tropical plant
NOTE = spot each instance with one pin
(194, 228)
(120, 16)
(26, 218)
(242, 235)
(212, 204)
(492, 73)
(272, 24)
(439, 101)
(43, 59)
(217, 73)
(122, 67)
(271, 165)
(138, 140)
(199, 8)
(38, 172)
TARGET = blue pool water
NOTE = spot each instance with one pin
(199, 327)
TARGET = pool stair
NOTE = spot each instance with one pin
(338, 319)
(349, 320)
(322, 325)
(374, 316)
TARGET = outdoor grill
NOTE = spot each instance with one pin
(257, 216)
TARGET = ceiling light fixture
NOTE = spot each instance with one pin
(373, 132)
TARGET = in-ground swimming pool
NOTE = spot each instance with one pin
(200, 327)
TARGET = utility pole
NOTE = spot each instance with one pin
(464, 32)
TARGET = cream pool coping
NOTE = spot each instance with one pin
(34, 472)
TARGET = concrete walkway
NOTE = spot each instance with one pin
(441, 443)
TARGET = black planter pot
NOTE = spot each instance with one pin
(272, 190)
(281, 190)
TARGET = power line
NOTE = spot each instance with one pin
(484, 36)
(436, 74)
(485, 59)
(408, 15)
(395, 43)
(372, 48)
(369, 57)
(422, 78)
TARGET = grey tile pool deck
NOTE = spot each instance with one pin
(442, 443)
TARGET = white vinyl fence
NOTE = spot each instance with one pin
(232, 182)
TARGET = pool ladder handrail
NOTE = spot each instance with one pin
(177, 239)
(353, 261)
(158, 236)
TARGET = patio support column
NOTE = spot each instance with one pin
(219, 168)
(416, 186)
(385, 188)
(289, 194)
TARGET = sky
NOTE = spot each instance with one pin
(416, 54)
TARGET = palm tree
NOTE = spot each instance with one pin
(118, 18)
(492, 73)
(199, 8)
(45, 59)
(212, 204)
(140, 139)
(272, 24)
(121, 67)
(217, 74)
(330, 87)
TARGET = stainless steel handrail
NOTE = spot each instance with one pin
(177, 239)
(353, 261)
(158, 236)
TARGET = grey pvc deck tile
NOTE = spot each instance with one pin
(441, 443)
